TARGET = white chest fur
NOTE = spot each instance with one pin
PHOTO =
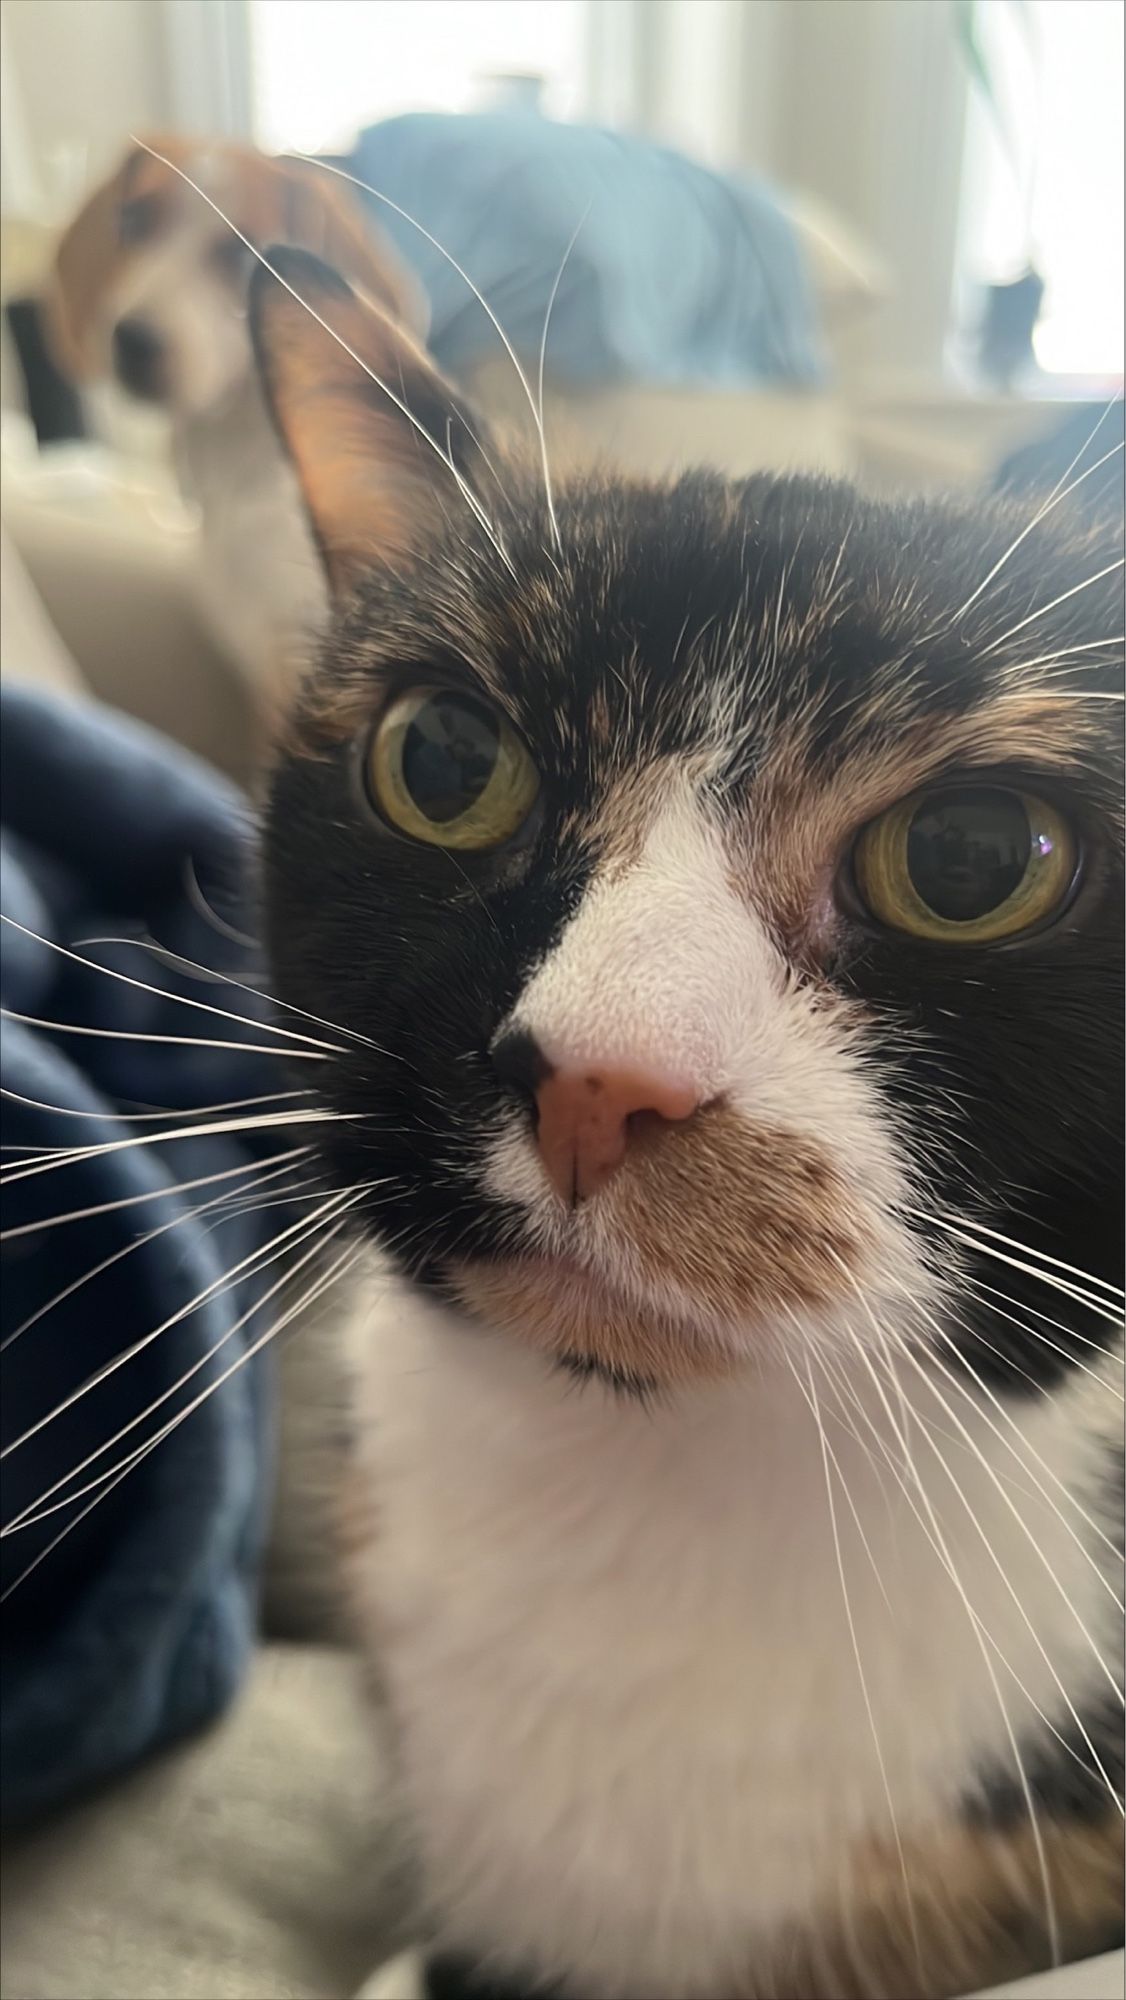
(634, 1732)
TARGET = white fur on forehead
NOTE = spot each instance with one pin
(638, 977)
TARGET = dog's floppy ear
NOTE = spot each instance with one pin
(375, 457)
(90, 253)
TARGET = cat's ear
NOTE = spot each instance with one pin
(378, 437)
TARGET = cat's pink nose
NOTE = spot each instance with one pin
(587, 1115)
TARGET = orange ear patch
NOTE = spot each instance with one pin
(369, 423)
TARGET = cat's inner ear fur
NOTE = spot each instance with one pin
(370, 424)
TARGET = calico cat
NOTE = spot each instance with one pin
(720, 885)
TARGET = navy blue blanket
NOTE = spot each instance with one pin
(134, 1627)
(676, 275)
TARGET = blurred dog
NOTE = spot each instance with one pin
(149, 291)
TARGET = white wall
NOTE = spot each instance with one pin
(85, 73)
(859, 102)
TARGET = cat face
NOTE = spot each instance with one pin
(721, 883)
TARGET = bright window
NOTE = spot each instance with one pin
(322, 69)
(1044, 172)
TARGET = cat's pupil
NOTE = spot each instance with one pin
(449, 753)
(967, 851)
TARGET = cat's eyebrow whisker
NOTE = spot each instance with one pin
(146, 1194)
(262, 1256)
(1054, 499)
(175, 1041)
(828, 1457)
(934, 1536)
(38, 1510)
(398, 402)
(230, 1196)
(1014, 1243)
(365, 187)
(180, 999)
(264, 1122)
(1043, 609)
(347, 1261)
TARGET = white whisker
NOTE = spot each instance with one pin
(1033, 1333)
(38, 1510)
(538, 410)
(1044, 609)
(1014, 1243)
(146, 1194)
(1054, 499)
(170, 1041)
(180, 999)
(826, 1455)
(315, 1291)
(1113, 1354)
(1014, 1510)
(365, 187)
(230, 1195)
(937, 1541)
(264, 1255)
(263, 1122)
(176, 959)
(148, 1117)
(1029, 1447)
(1099, 1306)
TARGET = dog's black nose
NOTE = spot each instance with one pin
(138, 358)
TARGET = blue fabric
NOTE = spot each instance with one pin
(677, 275)
(136, 1626)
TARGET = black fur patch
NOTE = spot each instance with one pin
(834, 624)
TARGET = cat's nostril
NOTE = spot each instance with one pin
(520, 1063)
(590, 1116)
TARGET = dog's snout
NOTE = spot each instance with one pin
(139, 357)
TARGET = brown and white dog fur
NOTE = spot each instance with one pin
(148, 292)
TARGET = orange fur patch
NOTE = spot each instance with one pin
(976, 1909)
(800, 822)
(744, 1220)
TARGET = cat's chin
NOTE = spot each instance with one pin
(589, 1325)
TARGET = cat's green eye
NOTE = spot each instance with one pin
(966, 865)
(448, 770)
